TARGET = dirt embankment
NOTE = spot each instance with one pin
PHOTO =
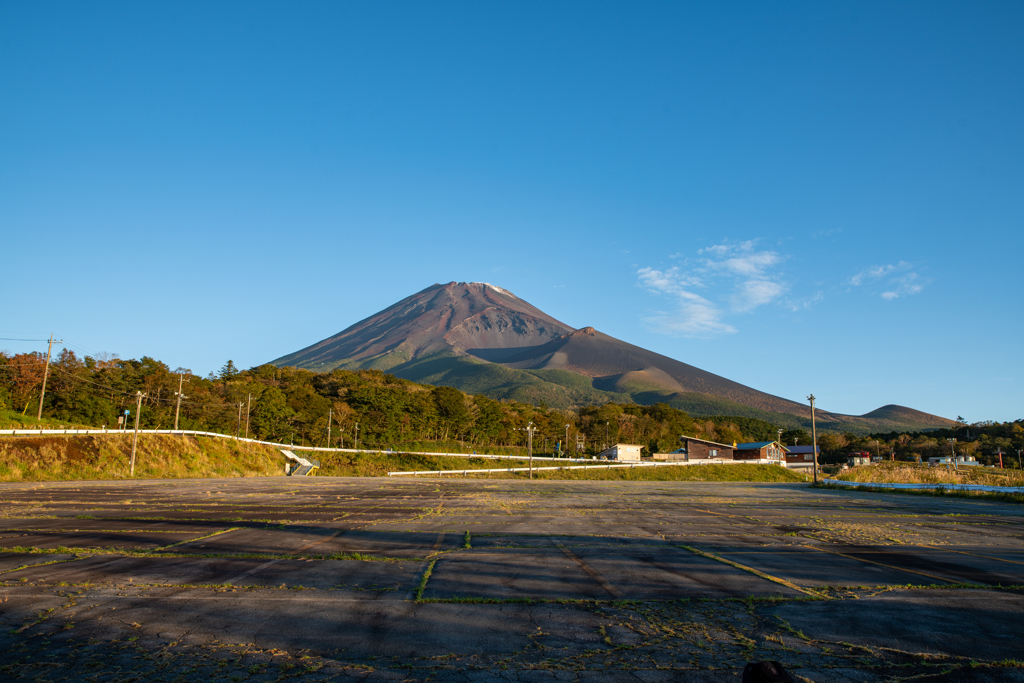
(158, 456)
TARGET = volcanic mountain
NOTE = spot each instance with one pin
(484, 339)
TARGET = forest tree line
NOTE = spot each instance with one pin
(382, 411)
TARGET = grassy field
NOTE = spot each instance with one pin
(12, 419)
(910, 473)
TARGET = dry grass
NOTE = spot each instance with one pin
(908, 473)
(160, 456)
(60, 458)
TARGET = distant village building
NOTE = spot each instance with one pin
(698, 450)
(801, 456)
(761, 450)
(621, 451)
(960, 461)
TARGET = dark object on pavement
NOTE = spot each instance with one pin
(766, 672)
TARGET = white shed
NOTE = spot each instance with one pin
(621, 451)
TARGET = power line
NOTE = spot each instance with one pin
(129, 392)
(26, 340)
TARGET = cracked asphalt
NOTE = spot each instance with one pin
(336, 579)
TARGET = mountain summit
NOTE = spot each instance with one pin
(459, 317)
(483, 339)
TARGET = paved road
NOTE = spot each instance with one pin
(373, 579)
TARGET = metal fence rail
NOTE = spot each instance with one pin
(542, 458)
(538, 469)
(609, 466)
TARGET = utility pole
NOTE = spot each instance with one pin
(238, 429)
(952, 452)
(357, 436)
(135, 439)
(177, 409)
(330, 416)
(248, 405)
(46, 372)
(530, 429)
(814, 438)
(605, 437)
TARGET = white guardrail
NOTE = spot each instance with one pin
(609, 466)
(949, 487)
(543, 458)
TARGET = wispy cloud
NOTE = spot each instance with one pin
(750, 277)
(894, 279)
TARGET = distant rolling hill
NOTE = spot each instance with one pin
(483, 339)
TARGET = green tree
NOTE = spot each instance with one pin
(452, 411)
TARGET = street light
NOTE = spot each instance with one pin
(814, 438)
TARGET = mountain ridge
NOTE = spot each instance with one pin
(478, 337)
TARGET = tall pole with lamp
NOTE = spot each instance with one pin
(135, 439)
(814, 438)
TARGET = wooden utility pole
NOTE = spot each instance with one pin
(814, 439)
(46, 372)
(330, 416)
(135, 439)
(238, 429)
(177, 409)
(248, 405)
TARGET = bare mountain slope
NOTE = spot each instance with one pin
(484, 339)
(451, 317)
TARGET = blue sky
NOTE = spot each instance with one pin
(802, 197)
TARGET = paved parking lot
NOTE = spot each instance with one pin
(339, 578)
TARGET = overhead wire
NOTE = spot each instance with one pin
(129, 392)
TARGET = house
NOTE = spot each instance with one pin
(801, 456)
(621, 451)
(959, 461)
(697, 450)
(761, 450)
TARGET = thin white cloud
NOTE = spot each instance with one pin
(893, 285)
(751, 277)
(796, 305)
